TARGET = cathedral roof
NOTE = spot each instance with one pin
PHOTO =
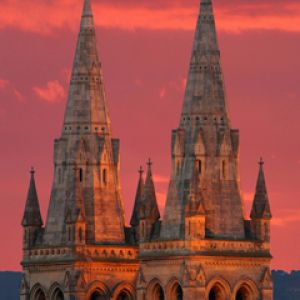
(135, 218)
(149, 208)
(261, 204)
(32, 214)
(86, 105)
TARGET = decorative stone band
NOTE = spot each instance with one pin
(86, 252)
(206, 247)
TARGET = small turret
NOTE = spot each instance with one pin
(261, 213)
(135, 218)
(75, 213)
(32, 221)
(195, 210)
(149, 212)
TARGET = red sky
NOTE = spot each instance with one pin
(145, 49)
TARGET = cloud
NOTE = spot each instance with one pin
(162, 92)
(53, 92)
(285, 217)
(18, 95)
(160, 179)
(3, 83)
(46, 17)
(248, 196)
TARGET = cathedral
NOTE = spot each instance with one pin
(204, 247)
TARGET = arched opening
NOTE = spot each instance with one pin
(243, 294)
(80, 175)
(104, 175)
(39, 295)
(58, 295)
(125, 295)
(80, 234)
(98, 295)
(176, 292)
(158, 293)
(216, 293)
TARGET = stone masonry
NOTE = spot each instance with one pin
(203, 248)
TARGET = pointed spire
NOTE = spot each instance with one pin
(261, 205)
(76, 211)
(86, 109)
(149, 209)
(32, 214)
(205, 88)
(135, 218)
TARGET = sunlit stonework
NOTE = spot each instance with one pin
(203, 248)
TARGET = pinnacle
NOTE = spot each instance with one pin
(149, 203)
(261, 205)
(135, 218)
(32, 214)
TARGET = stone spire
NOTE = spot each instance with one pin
(205, 139)
(261, 205)
(205, 88)
(32, 214)
(135, 218)
(149, 208)
(86, 108)
(87, 143)
(76, 210)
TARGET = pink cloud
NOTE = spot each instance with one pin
(53, 92)
(3, 83)
(18, 95)
(285, 217)
(47, 17)
(160, 179)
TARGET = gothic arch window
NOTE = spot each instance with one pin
(80, 174)
(158, 293)
(223, 169)
(58, 295)
(69, 234)
(59, 175)
(125, 295)
(243, 294)
(98, 295)
(199, 166)
(216, 293)
(104, 176)
(39, 295)
(80, 234)
(176, 292)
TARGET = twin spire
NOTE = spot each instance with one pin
(145, 206)
(86, 110)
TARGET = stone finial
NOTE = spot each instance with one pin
(32, 214)
(149, 203)
(135, 218)
(261, 205)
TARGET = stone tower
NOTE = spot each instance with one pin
(204, 248)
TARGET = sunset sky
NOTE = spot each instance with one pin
(145, 48)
